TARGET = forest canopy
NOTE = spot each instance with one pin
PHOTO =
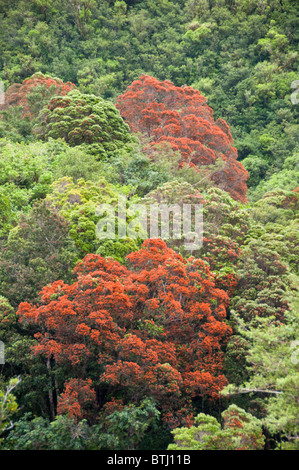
(132, 341)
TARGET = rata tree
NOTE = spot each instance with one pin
(84, 119)
(34, 92)
(180, 116)
(23, 102)
(153, 329)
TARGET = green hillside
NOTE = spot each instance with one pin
(119, 334)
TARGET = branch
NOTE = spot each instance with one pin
(253, 390)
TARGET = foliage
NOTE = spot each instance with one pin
(84, 119)
(240, 431)
(27, 171)
(242, 55)
(137, 329)
(124, 429)
(6, 214)
(180, 116)
(8, 405)
(38, 251)
(34, 92)
(225, 224)
(286, 179)
(121, 430)
(80, 204)
(25, 101)
(260, 363)
(117, 344)
(39, 433)
(273, 372)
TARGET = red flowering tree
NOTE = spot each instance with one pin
(154, 329)
(77, 398)
(181, 117)
(34, 92)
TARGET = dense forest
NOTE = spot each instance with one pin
(132, 341)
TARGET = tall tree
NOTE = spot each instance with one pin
(155, 329)
(180, 116)
(39, 250)
(84, 119)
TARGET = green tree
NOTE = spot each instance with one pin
(39, 433)
(38, 251)
(84, 119)
(6, 214)
(272, 363)
(79, 203)
(8, 405)
(240, 431)
(124, 429)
